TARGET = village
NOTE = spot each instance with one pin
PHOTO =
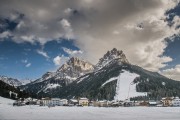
(81, 102)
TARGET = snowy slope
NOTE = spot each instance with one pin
(69, 72)
(5, 101)
(125, 87)
(10, 81)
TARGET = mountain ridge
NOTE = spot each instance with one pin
(113, 64)
(10, 81)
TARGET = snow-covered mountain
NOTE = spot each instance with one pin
(111, 56)
(70, 71)
(73, 69)
(10, 81)
(66, 74)
(113, 77)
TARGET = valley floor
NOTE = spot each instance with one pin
(8, 112)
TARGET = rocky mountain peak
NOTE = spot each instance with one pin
(111, 55)
(77, 64)
(10, 81)
(73, 69)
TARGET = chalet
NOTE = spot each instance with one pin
(152, 103)
(103, 103)
(83, 101)
(55, 102)
(73, 102)
(167, 101)
(143, 103)
(45, 101)
(63, 102)
(176, 102)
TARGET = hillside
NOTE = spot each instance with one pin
(113, 78)
(12, 92)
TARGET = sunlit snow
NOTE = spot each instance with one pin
(125, 87)
(8, 112)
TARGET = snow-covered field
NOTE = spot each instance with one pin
(8, 112)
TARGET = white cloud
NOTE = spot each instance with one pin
(72, 52)
(43, 53)
(59, 60)
(5, 34)
(24, 61)
(28, 65)
(173, 73)
(65, 23)
(98, 26)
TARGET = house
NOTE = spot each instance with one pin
(83, 101)
(102, 103)
(152, 103)
(176, 102)
(63, 102)
(55, 102)
(45, 101)
(143, 103)
(73, 102)
(167, 101)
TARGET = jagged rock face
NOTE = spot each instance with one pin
(10, 81)
(69, 71)
(114, 54)
(65, 75)
(74, 68)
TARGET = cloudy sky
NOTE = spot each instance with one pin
(39, 36)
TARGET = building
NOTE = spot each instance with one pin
(176, 102)
(63, 102)
(152, 103)
(83, 101)
(102, 103)
(45, 101)
(167, 101)
(73, 102)
(143, 103)
(55, 102)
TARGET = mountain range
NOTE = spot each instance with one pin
(113, 77)
(10, 81)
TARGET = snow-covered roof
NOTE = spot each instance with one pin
(83, 99)
(73, 100)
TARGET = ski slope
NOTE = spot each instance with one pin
(125, 87)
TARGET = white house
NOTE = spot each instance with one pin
(73, 101)
(45, 101)
(176, 102)
(55, 102)
(83, 101)
(63, 102)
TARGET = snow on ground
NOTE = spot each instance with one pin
(51, 86)
(8, 112)
(82, 78)
(110, 80)
(5, 101)
(125, 87)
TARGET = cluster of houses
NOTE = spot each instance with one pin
(51, 102)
